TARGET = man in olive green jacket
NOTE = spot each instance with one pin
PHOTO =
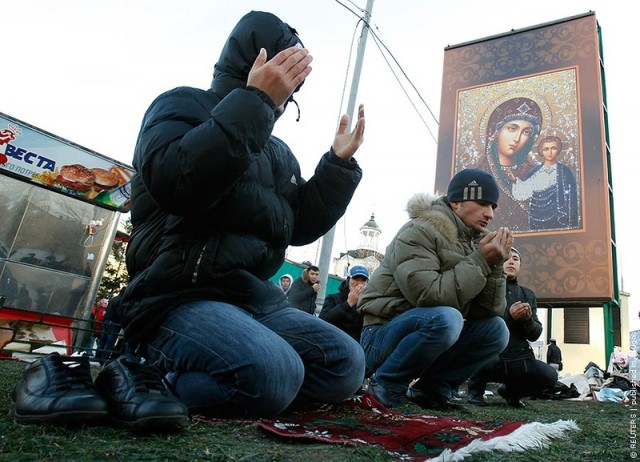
(433, 309)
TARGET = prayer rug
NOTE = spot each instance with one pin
(412, 437)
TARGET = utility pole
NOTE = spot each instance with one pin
(327, 239)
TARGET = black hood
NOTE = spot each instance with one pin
(255, 30)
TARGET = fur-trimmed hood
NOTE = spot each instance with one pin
(435, 210)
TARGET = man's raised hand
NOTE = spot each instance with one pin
(495, 247)
(282, 74)
(345, 144)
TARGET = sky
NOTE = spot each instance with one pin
(86, 70)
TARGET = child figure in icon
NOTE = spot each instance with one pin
(551, 190)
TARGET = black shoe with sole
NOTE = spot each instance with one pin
(386, 397)
(477, 400)
(139, 398)
(431, 400)
(511, 401)
(57, 389)
(517, 403)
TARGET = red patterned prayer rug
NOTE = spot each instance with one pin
(416, 437)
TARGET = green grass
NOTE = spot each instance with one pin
(603, 437)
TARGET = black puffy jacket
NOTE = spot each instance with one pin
(216, 198)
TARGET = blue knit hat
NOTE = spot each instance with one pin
(473, 185)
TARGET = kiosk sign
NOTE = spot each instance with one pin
(48, 160)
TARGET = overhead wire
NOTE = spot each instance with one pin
(378, 41)
(404, 73)
(405, 91)
(357, 7)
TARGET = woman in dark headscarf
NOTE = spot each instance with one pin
(511, 132)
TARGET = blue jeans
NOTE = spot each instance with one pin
(91, 341)
(435, 345)
(226, 362)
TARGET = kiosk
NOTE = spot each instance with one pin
(60, 205)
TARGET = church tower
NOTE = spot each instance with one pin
(369, 233)
(367, 253)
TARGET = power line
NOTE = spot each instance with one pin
(380, 43)
(357, 7)
(350, 10)
(375, 39)
(405, 75)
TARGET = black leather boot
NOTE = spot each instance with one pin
(431, 400)
(139, 398)
(386, 397)
(58, 389)
(476, 400)
(512, 401)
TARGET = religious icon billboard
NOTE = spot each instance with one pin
(527, 107)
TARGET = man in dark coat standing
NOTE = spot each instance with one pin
(554, 355)
(304, 290)
(216, 201)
